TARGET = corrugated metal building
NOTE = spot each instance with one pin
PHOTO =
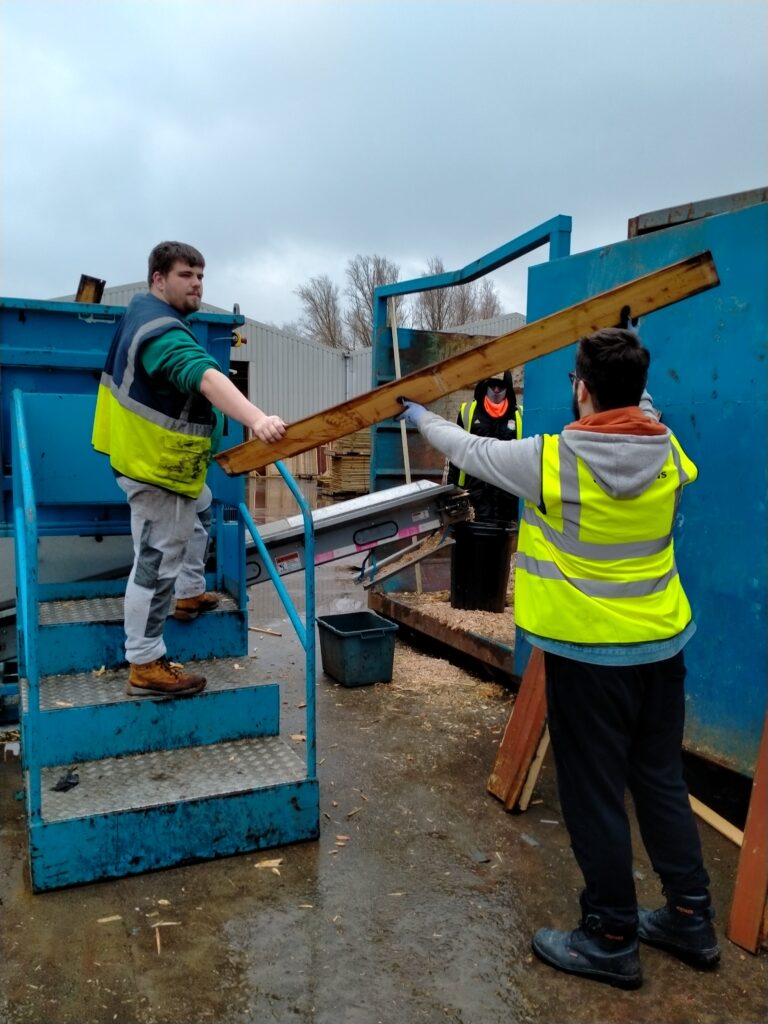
(297, 377)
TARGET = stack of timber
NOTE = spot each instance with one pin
(348, 461)
(303, 466)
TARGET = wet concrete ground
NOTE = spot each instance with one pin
(423, 915)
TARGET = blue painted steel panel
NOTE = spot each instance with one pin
(708, 376)
(147, 723)
(129, 843)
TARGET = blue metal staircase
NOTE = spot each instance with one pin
(157, 781)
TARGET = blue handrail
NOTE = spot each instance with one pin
(304, 630)
(25, 550)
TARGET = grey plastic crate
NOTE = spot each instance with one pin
(357, 648)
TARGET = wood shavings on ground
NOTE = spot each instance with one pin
(438, 682)
(272, 864)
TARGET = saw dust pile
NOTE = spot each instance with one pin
(437, 605)
(438, 682)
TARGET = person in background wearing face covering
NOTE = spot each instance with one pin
(493, 413)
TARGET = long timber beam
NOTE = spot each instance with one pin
(642, 295)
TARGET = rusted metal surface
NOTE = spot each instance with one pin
(646, 222)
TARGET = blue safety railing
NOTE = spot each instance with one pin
(304, 630)
(26, 538)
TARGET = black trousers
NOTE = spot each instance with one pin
(614, 728)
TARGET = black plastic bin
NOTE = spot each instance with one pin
(357, 648)
(480, 560)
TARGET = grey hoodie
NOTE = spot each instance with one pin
(624, 465)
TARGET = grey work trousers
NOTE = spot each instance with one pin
(170, 546)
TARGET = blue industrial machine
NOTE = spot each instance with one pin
(708, 376)
(116, 785)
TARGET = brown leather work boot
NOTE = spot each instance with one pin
(163, 676)
(188, 608)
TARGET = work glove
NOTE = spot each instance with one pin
(412, 412)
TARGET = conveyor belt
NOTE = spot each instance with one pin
(361, 524)
(358, 525)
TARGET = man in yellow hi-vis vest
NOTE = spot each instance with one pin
(158, 418)
(597, 589)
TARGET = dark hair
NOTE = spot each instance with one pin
(614, 366)
(165, 254)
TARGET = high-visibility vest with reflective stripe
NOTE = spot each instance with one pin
(467, 424)
(592, 569)
(160, 439)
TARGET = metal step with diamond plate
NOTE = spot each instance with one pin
(82, 634)
(88, 714)
(136, 813)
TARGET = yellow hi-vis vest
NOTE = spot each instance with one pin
(161, 439)
(592, 569)
(467, 424)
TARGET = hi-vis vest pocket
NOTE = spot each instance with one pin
(145, 450)
(183, 458)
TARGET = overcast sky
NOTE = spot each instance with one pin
(282, 138)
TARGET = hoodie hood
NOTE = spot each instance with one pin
(482, 385)
(623, 449)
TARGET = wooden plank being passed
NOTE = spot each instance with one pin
(642, 295)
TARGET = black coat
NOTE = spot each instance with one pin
(491, 504)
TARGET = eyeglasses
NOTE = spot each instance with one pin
(572, 377)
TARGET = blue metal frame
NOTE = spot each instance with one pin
(386, 468)
(60, 348)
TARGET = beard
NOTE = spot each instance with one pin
(575, 407)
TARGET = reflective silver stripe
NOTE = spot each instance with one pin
(596, 588)
(158, 418)
(571, 545)
(682, 475)
(570, 495)
(130, 369)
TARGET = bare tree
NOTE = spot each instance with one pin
(322, 320)
(464, 303)
(440, 309)
(364, 275)
(434, 310)
(488, 303)
(450, 307)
